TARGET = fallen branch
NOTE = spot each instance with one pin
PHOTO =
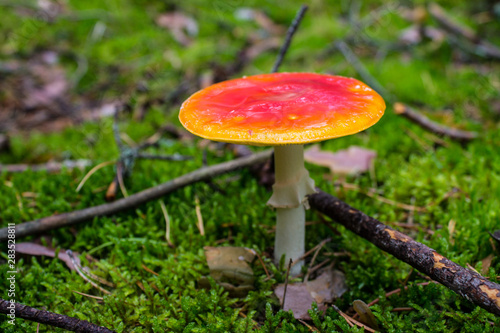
(134, 200)
(468, 284)
(49, 166)
(426, 123)
(289, 35)
(52, 319)
(479, 46)
(128, 156)
(361, 69)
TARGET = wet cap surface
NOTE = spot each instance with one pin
(282, 108)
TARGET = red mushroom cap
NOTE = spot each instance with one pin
(282, 108)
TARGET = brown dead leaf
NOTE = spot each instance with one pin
(343, 162)
(327, 287)
(179, 25)
(230, 267)
(40, 250)
(487, 264)
(365, 314)
(36, 94)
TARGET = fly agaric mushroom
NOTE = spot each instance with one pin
(284, 110)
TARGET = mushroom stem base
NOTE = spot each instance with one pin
(290, 244)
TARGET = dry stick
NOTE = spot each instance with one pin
(479, 46)
(314, 249)
(400, 108)
(361, 69)
(49, 166)
(167, 224)
(134, 200)
(199, 217)
(372, 193)
(92, 283)
(468, 284)
(52, 319)
(263, 265)
(352, 321)
(393, 292)
(91, 172)
(319, 247)
(87, 295)
(289, 35)
(397, 291)
(426, 123)
(286, 282)
(445, 21)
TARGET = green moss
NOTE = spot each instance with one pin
(128, 246)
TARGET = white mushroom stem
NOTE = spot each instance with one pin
(291, 187)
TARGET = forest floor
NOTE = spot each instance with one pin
(67, 66)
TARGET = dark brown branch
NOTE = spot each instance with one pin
(464, 282)
(426, 123)
(134, 200)
(52, 319)
(289, 35)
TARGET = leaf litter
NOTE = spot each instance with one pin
(325, 289)
(351, 161)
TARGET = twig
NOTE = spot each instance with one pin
(149, 270)
(134, 200)
(87, 295)
(396, 291)
(305, 255)
(402, 309)
(318, 248)
(426, 123)
(262, 264)
(289, 35)
(372, 193)
(52, 319)
(311, 328)
(468, 284)
(175, 157)
(438, 13)
(49, 166)
(78, 270)
(352, 321)
(120, 171)
(286, 282)
(318, 266)
(91, 172)
(116, 131)
(199, 217)
(167, 223)
(478, 46)
(361, 69)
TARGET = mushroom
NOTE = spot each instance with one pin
(284, 110)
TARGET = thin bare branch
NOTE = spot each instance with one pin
(289, 35)
(134, 200)
(426, 123)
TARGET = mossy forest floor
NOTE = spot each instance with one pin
(116, 52)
